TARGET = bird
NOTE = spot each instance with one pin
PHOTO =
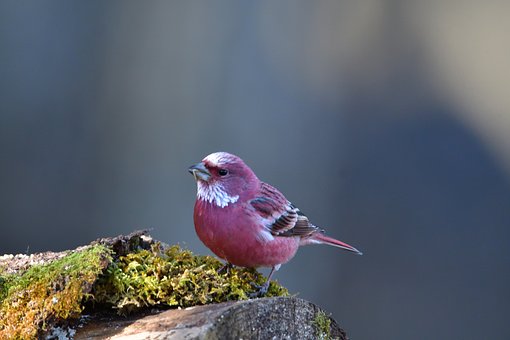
(247, 222)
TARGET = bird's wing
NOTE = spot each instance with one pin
(280, 216)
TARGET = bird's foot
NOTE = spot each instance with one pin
(261, 290)
(225, 268)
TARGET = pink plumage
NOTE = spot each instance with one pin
(247, 222)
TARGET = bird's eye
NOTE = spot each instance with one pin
(223, 172)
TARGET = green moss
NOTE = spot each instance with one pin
(174, 277)
(4, 286)
(33, 300)
(47, 292)
(322, 325)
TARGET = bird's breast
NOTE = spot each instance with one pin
(213, 225)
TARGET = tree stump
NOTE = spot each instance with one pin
(82, 293)
(267, 318)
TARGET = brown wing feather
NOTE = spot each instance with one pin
(284, 219)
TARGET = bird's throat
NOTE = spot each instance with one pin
(215, 194)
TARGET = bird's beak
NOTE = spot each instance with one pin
(200, 172)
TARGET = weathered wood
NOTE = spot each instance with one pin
(268, 318)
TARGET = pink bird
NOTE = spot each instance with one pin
(247, 222)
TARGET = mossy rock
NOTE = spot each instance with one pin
(34, 299)
(125, 274)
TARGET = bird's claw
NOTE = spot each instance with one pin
(225, 268)
(261, 290)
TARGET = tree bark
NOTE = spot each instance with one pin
(267, 318)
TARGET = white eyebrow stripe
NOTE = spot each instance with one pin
(218, 158)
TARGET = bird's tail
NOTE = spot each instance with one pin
(323, 239)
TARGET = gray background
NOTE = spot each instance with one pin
(387, 122)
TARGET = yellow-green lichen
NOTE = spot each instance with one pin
(43, 293)
(174, 277)
(322, 325)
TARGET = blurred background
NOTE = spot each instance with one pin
(386, 122)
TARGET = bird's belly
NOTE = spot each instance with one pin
(255, 253)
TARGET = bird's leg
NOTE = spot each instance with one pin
(226, 268)
(262, 289)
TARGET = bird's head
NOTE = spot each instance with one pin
(222, 178)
